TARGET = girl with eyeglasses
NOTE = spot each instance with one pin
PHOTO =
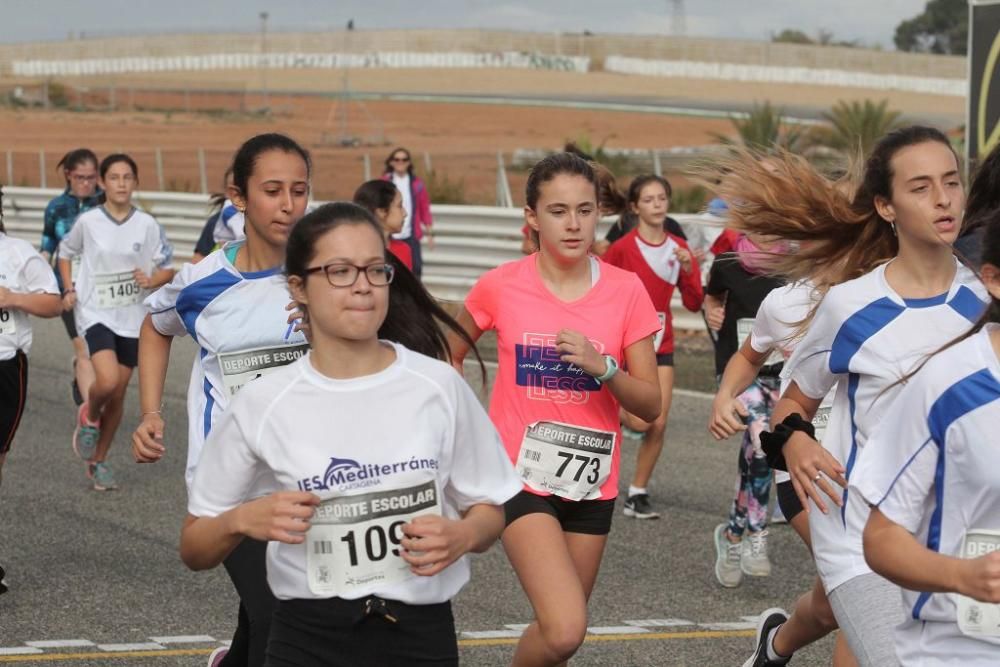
(370, 518)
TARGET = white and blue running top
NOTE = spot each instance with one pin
(240, 323)
(865, 338)
(931, 467)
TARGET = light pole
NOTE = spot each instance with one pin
(263, 60)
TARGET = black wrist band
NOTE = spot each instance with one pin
(774, 441)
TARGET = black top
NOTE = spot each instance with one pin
(627, 222)
(743, 293)
(206, 242)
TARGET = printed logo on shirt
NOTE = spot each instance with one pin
(549, 378)
(136, 247)
(347, 474)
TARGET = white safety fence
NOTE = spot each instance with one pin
(253, 61)
(797, 75)
(468, 240)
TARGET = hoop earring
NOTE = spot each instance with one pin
(892, 225)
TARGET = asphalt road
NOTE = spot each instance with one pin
(96, 580)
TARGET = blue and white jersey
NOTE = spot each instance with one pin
(110, 251)
(230, 224)
(864, 338)
(239, 322)
(932, 467)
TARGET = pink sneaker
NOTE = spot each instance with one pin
(85, 435)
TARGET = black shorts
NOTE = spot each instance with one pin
(13, 394)
(342, 633)
(590, 517)
(69, 321)
(99, 337)
(788, 500)
(665, 359)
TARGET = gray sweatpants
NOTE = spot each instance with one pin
(868, 609)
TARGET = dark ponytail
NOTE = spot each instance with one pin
(414, 316)
(74, 159)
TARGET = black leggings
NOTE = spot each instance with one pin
(247, 568)
(13, 394)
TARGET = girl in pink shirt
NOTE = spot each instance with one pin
(565, 323)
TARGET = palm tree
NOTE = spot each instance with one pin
(762, 128)
(857, 125)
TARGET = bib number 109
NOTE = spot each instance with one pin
(376, 542)
(7, 325)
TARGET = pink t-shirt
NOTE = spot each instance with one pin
(532, 384)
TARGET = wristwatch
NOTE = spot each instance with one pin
(610, 369)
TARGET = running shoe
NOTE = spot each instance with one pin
(85, 435)
(104, 479)
(217, 656)
(753, 558)
(639, 507)
(3, 581)
(767, 622)
(77, 396)
(727, 559)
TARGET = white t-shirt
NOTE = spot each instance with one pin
(22, 270)
(931, 467)
(230, 225)
(239, 321)
(864, 338)
(414, 425)
(776, 328)
(402, 184)
(110, 251)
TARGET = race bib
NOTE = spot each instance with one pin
(820, 421)
(74, 267)
(658, 340)
(744, 326)
(8, 327)
(979, 620)
(117, 290)
(353, 542)
(567, 461)
(239, 368)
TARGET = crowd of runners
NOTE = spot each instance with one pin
(857, 354)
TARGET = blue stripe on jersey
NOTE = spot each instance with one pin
(193, 298)
(853, 379)
(858, 328)
(929, 302)
(967, 304)
(209, 401)
(961, 398)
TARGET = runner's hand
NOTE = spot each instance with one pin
(5, 297)
(431, 543)
(69, 300)
(147, 440)
(279, 517)
(574, 348)
(300, 318)
(979, 578)
(684, 257)
(812, 469)
(727, 417)
(142, 280)
(715, 317)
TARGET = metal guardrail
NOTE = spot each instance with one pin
(468, 240)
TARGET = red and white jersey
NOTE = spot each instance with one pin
(660, 272)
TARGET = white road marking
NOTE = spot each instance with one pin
(519, 627)
(659, 623)
(616, 630)
(61, 643)
(728, 626)
(112, 648)
(183, 639)
(20, 650)
(491, 634)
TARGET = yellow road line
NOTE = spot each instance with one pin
(67, 657)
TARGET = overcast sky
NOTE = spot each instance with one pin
(872, 21)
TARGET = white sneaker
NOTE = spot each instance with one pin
(753, 559)
(217, 655)
(727, 559)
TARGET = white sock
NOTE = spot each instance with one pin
(771, 653)
(635, 490)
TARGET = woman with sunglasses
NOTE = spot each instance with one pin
(416, 201)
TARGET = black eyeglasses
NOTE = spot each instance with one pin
(345, 275)
(400, 159)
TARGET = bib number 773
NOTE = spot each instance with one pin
(568, 461)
